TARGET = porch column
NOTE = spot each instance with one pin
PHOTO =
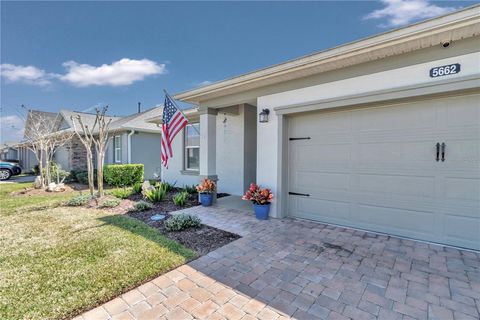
(208, 143)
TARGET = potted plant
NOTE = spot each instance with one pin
(261, 200)
(206, 189)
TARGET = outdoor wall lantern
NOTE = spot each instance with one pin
(263, 116)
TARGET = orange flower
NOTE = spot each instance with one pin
(206, 186)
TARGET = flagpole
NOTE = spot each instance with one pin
(171, 99)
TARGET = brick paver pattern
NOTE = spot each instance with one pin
(286, 268)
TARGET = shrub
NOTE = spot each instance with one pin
(121, 175)
(190, 189)
(141, 206)
(181, 222)
(79, 200)
(110, 203)
(156, 194)
(82, 177)
(137, 188)
(180, 199)
(122, 193)
(72, 177)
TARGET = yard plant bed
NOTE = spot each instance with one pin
(202, 240)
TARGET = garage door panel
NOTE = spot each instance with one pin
(468, 228)
(335, 210)
(391, 152)
(396, 185)
(401, 117)
(322, 180)
(316, 155)
(336, 123)
(395, 219)
(463, 115)
(459, 188)
(467, 152)
(376, 169)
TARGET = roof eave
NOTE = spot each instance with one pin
(463, 20)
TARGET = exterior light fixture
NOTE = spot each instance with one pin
(263, 116)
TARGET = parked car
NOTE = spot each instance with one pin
(8, 169)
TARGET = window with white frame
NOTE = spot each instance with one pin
(117, 149)
(192, 147)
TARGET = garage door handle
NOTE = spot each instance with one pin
(299, 194)
(438, 151)
(443, 151)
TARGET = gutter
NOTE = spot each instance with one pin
(129, 146)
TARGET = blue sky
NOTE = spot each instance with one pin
(77, 55)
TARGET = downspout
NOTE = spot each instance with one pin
(129, 146)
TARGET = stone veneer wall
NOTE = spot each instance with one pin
(78, 155)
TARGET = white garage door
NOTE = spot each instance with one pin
(377, 169)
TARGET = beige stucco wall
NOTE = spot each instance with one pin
(235, 153)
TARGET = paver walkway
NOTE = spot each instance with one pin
(297, 269)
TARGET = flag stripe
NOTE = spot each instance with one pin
(173, 122)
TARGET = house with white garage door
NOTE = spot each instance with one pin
(381, 134)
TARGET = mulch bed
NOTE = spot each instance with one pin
(202, 240)
(69, 187)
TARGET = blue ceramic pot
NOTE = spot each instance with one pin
(206, 199)
(261, 211)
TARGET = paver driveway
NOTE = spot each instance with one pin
(297, 269)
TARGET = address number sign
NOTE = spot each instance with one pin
(445, 70)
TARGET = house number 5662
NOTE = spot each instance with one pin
(445, 70)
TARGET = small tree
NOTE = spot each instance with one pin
(40, 137)
(101, 145)
(85, 135)
(96, 136)
(52, 143)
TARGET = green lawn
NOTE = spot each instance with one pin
(56, 261)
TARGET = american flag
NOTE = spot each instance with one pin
(173, 121)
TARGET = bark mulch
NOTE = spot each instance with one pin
(202, 240)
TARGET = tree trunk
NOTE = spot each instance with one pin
(91, 183)
(100, 161)
(48, 178)
(40, 168)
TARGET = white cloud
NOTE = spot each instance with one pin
(91, 108)
(119, 73)
(11, 128)
(25, 74)
(401, 12)
(202, 83)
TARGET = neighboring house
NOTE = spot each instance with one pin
(9, 150)
(131, 140)
(380, 134)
